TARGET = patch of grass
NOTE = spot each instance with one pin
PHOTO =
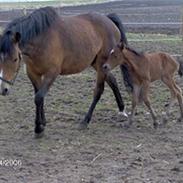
(155, 37)
(37, 4)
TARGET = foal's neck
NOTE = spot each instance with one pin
(133, 59)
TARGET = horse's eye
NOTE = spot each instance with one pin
(15, 59)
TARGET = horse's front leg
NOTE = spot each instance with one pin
(41, 85)
(40, 120)
(97, 94)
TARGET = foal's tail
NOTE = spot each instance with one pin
(180, 70)
(124, 68)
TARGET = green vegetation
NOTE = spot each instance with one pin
(153, 37)
(38, 4)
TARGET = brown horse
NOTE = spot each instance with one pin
(145, 68)
(52, 45)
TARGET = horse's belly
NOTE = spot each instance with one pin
(74, 66)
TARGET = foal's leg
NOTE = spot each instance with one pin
(111, 81)
(135, 100)
(180, 99)
(99, 88)
(175, 93)
(146, 100)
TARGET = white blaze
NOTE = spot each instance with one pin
(112, 51)
(1, 75)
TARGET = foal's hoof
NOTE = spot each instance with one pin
(126, 125)
(39, 131)
(155, 125)
(180, 119)
(44, 123)
(83, 126)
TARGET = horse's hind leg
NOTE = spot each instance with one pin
(111, 81)
(99, 88)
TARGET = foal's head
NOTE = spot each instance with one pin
(116, 57)
(10, 56)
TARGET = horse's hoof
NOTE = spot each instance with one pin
(39, 130)
(39, 135)
(83, 126)
(123, 113)
(165, 120)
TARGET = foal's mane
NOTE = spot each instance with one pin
(134, 51)
(28, 26)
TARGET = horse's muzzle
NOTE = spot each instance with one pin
(106, 68)
(5, 91)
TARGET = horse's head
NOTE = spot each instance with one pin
(10, 56)
(116, 57)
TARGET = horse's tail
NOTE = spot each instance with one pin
(116, 20)
(124, 68)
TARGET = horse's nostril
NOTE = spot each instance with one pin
(5, 91)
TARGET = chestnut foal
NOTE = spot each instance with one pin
(144, 69)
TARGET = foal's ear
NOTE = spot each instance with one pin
(121, 45)
(17, 37)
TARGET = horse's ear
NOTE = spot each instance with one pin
(17, 37)
(8, 32)
(121, 45)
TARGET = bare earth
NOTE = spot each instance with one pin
(106, 153)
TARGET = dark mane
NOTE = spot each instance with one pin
(134, 51)
(28, 26)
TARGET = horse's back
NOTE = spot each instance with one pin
(82, 38)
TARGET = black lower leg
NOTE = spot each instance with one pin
(114, 86)
(98, 92)
(39, 125)
(43, 118)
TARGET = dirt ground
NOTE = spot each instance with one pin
(106, 153)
